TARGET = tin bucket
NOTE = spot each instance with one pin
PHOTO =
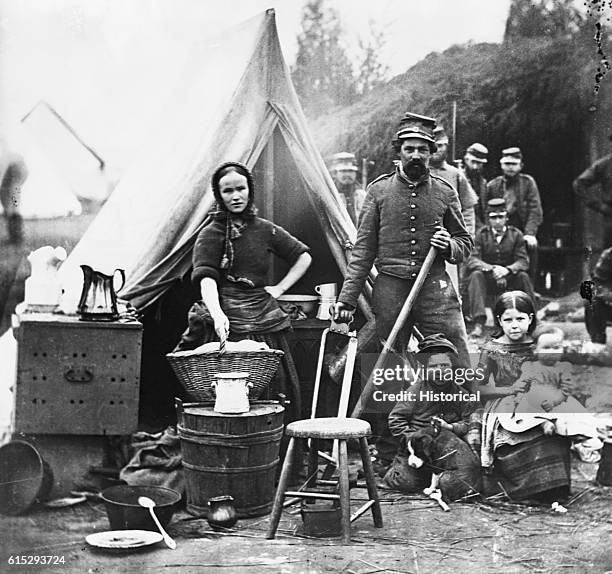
(322, 519)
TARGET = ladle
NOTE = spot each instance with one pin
(150, 504)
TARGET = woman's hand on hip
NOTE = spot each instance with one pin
(274, 290)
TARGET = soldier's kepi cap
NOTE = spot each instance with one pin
(436, 343)
(496, 206)
(343, 160)
(440, 135)
(416, 126)
(511, 155)
(477, 152)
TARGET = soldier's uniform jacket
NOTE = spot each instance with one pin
(467, 196)
(510, 252)
(479, 185)
(397, 222)
(599, 173)
(602, 275)
(522, 201)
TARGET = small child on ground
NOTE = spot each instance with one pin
(547, 400)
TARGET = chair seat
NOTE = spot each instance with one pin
(329, 428)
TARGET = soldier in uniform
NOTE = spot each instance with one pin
(522, 201)
(598, 307)
(498, 263)
(598, 175)
(440, 167)
(474, 160)
(405, 213)
(343, 170)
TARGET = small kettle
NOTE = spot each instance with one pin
(99, 298)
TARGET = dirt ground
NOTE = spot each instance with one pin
(417, 537)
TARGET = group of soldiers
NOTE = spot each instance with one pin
(502, 216)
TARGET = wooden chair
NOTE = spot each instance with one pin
(339, 429)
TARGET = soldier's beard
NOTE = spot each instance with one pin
(415, 169)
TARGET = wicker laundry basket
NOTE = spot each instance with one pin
(196, 372)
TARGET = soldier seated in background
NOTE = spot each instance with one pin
(343, 170)
(499, 262)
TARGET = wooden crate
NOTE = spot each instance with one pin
(76, 377)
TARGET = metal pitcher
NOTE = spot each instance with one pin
(99, 297)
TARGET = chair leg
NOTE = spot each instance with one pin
(277, 507)
(313, 463)
(370, 482)
(345, 500)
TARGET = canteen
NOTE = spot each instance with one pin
(231, 392)
(326, 290)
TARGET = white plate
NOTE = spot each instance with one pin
(123, 539)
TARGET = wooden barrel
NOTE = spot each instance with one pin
(233, 454)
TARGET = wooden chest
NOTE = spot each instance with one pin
(76, 377)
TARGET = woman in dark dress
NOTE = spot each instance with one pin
(231, 260)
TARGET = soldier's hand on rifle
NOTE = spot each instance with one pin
(343, 313)
(441, 239)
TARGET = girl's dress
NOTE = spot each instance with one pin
(526, 464)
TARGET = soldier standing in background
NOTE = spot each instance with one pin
(441, 168)
(522, 201)
(343, 170)
(474, 160)
(598, 175)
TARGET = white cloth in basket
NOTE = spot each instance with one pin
(230, 346)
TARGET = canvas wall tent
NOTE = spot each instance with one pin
(241, 106)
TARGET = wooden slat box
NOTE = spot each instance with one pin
(76, 377)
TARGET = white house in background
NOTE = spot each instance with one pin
(80, 165)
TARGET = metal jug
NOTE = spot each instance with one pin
(231, 392)
(99, 298)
